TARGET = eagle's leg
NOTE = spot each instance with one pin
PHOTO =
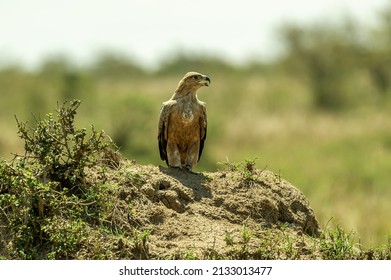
(191, 156)
(173, 155)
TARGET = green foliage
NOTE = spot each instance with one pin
(246, 170)
(50, 206)
(190, 256)
(229, 166)
(141, 242)
(229, 240)
(246, 235)
(281, 243)
(59, 150)
(337, 245)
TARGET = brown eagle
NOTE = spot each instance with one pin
(182, 124)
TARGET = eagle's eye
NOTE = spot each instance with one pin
(196, 77)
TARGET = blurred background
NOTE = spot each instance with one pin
(303, 86)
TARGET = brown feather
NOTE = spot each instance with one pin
(183, 124)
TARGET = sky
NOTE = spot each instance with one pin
(149, 31)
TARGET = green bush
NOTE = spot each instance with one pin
(59, 151)
(48, 204)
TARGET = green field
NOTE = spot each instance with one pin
(341, 161)
(320, 116)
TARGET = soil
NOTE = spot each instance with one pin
(195, 215)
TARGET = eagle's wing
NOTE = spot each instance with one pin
(203, 126)
(163, 128)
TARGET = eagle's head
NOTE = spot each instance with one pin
(194, 78)
(191, 82)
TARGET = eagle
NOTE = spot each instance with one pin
(182, 124)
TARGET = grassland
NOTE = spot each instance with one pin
(340, 160)
(72, 195)
(319, 115)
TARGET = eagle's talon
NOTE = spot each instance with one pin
(187, 167)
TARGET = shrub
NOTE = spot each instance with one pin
(47, 201)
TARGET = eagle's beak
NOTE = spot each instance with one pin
(205, 81)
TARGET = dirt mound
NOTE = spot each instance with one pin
(196, 215)
(132, 211)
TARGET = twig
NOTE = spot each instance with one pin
(5, 214)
